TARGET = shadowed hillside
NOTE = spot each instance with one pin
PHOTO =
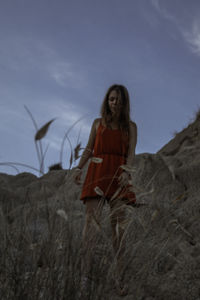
(42, 219)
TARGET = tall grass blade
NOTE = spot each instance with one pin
(39, 152)
(71, 156)
(65, 137)
(71, 160)
(116, 193)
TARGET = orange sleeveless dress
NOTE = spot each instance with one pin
(111, 146)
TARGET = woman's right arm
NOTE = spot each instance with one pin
(87, 153)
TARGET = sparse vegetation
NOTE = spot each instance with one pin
(41, 222)
(39, 135)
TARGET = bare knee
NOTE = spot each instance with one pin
(93, 213)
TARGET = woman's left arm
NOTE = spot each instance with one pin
(131, 153)
(132, 144)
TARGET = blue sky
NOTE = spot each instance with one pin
(59, 57)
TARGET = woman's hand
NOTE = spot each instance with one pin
(77, 176)
(123, 179)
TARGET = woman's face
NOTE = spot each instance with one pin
(114, 102)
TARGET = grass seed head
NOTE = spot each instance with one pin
(99, 191)
(76, 151)
(43, 131)
(97, 160)
(62, 214)
(127, 168)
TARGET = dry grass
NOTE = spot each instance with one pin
(41, 244)
(41, 250)
(194, 119)
(41, 253)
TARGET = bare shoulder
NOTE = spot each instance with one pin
(96, 123)
(97, 120)
(93, 132)
(133, 133)
(133, 125)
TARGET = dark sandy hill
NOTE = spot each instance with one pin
(39, 216)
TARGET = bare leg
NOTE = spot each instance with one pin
(118, 222)
(93, 213)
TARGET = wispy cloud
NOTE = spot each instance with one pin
(66, 110)
(160, 8)
(67, 75)
(193, 37)
(23, 54)
(156, 4)
(188, 28)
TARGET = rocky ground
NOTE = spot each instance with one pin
(41, 220)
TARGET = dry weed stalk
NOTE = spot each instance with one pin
(179, 226)
(66, 137)
(76, 151)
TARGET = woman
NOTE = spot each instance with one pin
(111, 144)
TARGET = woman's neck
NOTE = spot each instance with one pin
(115, 119)
(114, 122)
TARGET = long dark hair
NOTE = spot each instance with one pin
(124, 117)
